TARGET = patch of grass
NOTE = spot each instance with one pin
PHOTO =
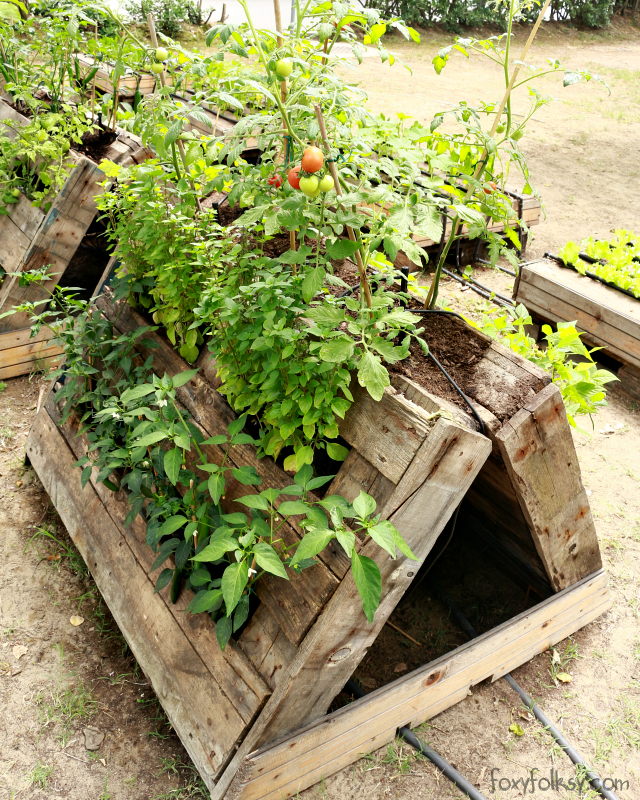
(3, 386)
(55, 551)
(105, 794)
(193, 787)
(6, 435)
(619, 732)
(40, 775)
(67, 702)
(561, 661)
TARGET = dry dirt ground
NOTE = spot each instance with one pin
(57, 679)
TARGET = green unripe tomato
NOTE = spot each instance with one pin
(284, 68)
(47, 122)
(326, 184)
(15, 192)
(65, 147)
(517, 135)
(500, 129)
(161, 54)
(157, 68)
(310, 185)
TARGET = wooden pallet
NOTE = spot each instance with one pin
(31, 238)
(309, 634)
(608, 318)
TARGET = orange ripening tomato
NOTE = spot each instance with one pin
(312, 159)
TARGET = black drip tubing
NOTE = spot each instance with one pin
(410, 738)
(478, 288)
(591, 275)
(574, 755)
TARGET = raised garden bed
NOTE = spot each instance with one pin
(523, 494)
(609, 318)
(59, 238)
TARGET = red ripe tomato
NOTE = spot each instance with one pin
(294, 177)
(275, 180)
(490, 188)
(312, 159)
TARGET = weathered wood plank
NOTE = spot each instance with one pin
(239, 681)
(387, 433)
(205, 719)
(298, 761)
(339, 639)
(540, 456)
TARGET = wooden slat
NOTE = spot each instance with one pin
(26, 367)
(609, 318)
(387, 433)
(202, 715)
(318, 750)
(17, 229)
(450, 457)
(539, 454)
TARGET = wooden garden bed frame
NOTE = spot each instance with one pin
(253, 718)
(608, 318)
(31, 238)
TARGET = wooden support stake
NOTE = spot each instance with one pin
(334, 174)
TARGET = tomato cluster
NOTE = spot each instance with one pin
(308, 182)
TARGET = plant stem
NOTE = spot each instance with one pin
(482, 162)
(364, 283)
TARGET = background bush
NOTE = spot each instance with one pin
(453, 15)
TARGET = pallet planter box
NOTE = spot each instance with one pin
(31, 238)
(609, 319)
(254, 717)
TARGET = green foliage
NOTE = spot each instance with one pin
(166, 274)
(169, 14)
(581, 383)
(618, 259)
(458, 14)
(141, 440)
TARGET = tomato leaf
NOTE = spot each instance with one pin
(172, 464)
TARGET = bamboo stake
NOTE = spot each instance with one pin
(278, 15)
(93, 82)
(154, 42)
(364, 284)
(283, 95)
(494, 127)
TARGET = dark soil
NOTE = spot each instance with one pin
(485, 595)
(95, 145)
(455, 347)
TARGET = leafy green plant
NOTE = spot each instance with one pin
(493, 138)
(141, 440)
(580, 382)
(618, 259)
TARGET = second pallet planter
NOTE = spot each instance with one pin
(418, 456)
(609, 318)
(31, 238)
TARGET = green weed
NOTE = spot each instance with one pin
(40, 774)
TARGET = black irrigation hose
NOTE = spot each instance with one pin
(490, 290)
(578, 760)
(502, 269)
(444, 766)
(433, 358)
(591, 275)
(486, 293)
